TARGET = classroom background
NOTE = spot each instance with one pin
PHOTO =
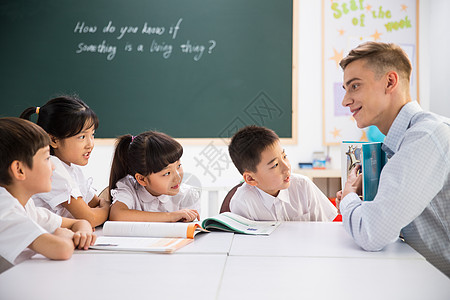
(433, 66)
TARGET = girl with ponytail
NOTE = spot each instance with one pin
(145, 181)
(71, 125)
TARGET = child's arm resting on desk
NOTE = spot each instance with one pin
(82, 232)
(121, 212)
(95, 213)
(58, 245)
(99, 202)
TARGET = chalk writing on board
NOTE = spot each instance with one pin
(154, 39)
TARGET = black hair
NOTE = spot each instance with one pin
(147, 153)
(247, 145)
(19, 140)
(63, 117)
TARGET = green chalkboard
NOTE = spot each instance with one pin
(190, 68)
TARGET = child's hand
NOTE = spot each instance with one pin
(83, 236)
(185, 215)
(64, 233)
(83, 239)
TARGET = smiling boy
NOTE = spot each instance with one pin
(26, 169)
(270, 191)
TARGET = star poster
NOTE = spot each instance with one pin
(345, 25)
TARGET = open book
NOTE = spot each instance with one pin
(146, 236)
(228, 221)
(169, 237)
(372, 160)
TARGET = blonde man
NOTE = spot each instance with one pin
(413, 198)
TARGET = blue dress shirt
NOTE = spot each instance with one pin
(413, 198)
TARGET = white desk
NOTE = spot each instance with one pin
(298, 260)
(313, 239)
(271, 278)
(209, 243)
(120, 276)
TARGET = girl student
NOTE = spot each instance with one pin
(145, 181)
(71, 125)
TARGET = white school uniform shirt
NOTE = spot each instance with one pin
(136, 197)
(20, 226)
(67, 181)
(301, 201)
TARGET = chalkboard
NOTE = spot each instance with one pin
(190, 68)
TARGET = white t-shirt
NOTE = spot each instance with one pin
(136, 197)
(66, 181)
(302, 201)
(20, 226)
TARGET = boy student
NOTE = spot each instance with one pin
(270, 191)
(26, 169)
(413, 198)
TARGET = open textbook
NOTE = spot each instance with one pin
(228, 221)
(372, 160)
(146, 236)
(169, 237)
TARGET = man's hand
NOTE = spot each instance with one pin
(338, 200)
(354, 183)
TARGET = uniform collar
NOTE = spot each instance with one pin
(270, 200)
(145, 196)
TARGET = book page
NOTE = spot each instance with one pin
(371, 158)
(150, 229)
(161, 245)
(231, 222)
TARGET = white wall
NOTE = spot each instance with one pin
(433, 49)
(439, 23)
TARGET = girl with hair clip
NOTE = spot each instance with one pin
(71, 125)
(145, 181)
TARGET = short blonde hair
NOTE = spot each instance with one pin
(381, 58)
